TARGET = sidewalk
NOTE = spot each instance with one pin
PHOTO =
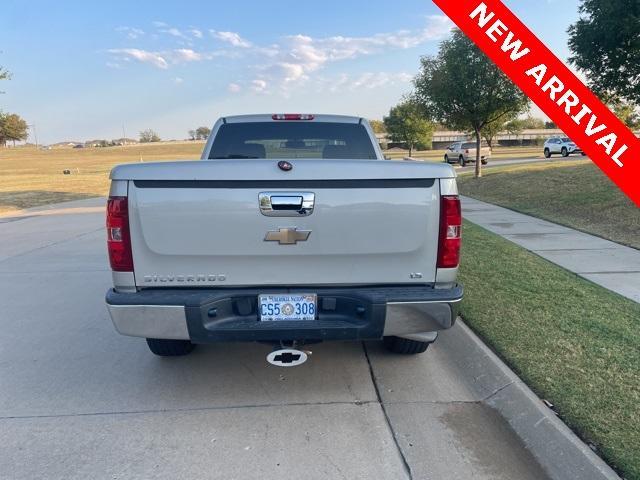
(610, 265)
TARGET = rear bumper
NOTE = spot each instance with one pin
(228, 315)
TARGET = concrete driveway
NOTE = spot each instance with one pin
(78, 401)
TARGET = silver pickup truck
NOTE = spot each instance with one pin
(291, 229)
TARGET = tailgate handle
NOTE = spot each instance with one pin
(286, 204)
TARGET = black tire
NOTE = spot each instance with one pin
(547, 153)
(565, 152)
(484, 161)
(584, 154)
(170, 348)
(404, 346)
(446, 158)
(461, 161)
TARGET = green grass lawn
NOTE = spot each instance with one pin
(573, 342)
(576, 194)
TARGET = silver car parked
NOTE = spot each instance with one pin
(562, 145)
(463, 152)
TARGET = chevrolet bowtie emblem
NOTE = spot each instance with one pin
(287, 236)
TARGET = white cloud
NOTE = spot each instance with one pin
(164, 59)
(289, 72)
(258, 85)
(230, 37)
(379, 79)
(185, 55)
(130, 32)
(300, 55)
(196, 33)
(296, 59)
(174, 32)
(178, 80)
(363, 81)
(141, 56)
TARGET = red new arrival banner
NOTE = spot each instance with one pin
(552, 86)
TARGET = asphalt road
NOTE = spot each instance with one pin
(79, 401)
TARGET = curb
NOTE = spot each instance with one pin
(556, 448)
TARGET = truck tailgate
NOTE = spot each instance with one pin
(369, 225)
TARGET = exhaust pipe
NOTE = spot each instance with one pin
(287, 357)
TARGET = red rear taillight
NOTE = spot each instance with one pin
(291, 116)
(118, 237)
(450, 232)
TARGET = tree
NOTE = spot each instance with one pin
(627, 113)
(407, 124)
(192, 134)
(147, 136)
(533, 123)
(605, 43)
(4, 75)
(12, 128)
(465, 90)
(378, 126)
(3, 140)
(550, 125)
(202, 133)
(517, 125)
(492, 129)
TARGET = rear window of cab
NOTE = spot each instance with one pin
(292, 139)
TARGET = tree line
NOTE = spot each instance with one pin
(200, 133)
(462, 89)
(149, 135)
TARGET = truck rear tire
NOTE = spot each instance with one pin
(170, 348)
(405, 346)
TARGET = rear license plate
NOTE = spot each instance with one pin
(298, 306)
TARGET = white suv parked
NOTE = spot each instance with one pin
(563, 146)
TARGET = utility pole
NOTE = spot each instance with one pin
(35, 133)
(124, 136)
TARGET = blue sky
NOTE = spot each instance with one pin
(83, 70)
